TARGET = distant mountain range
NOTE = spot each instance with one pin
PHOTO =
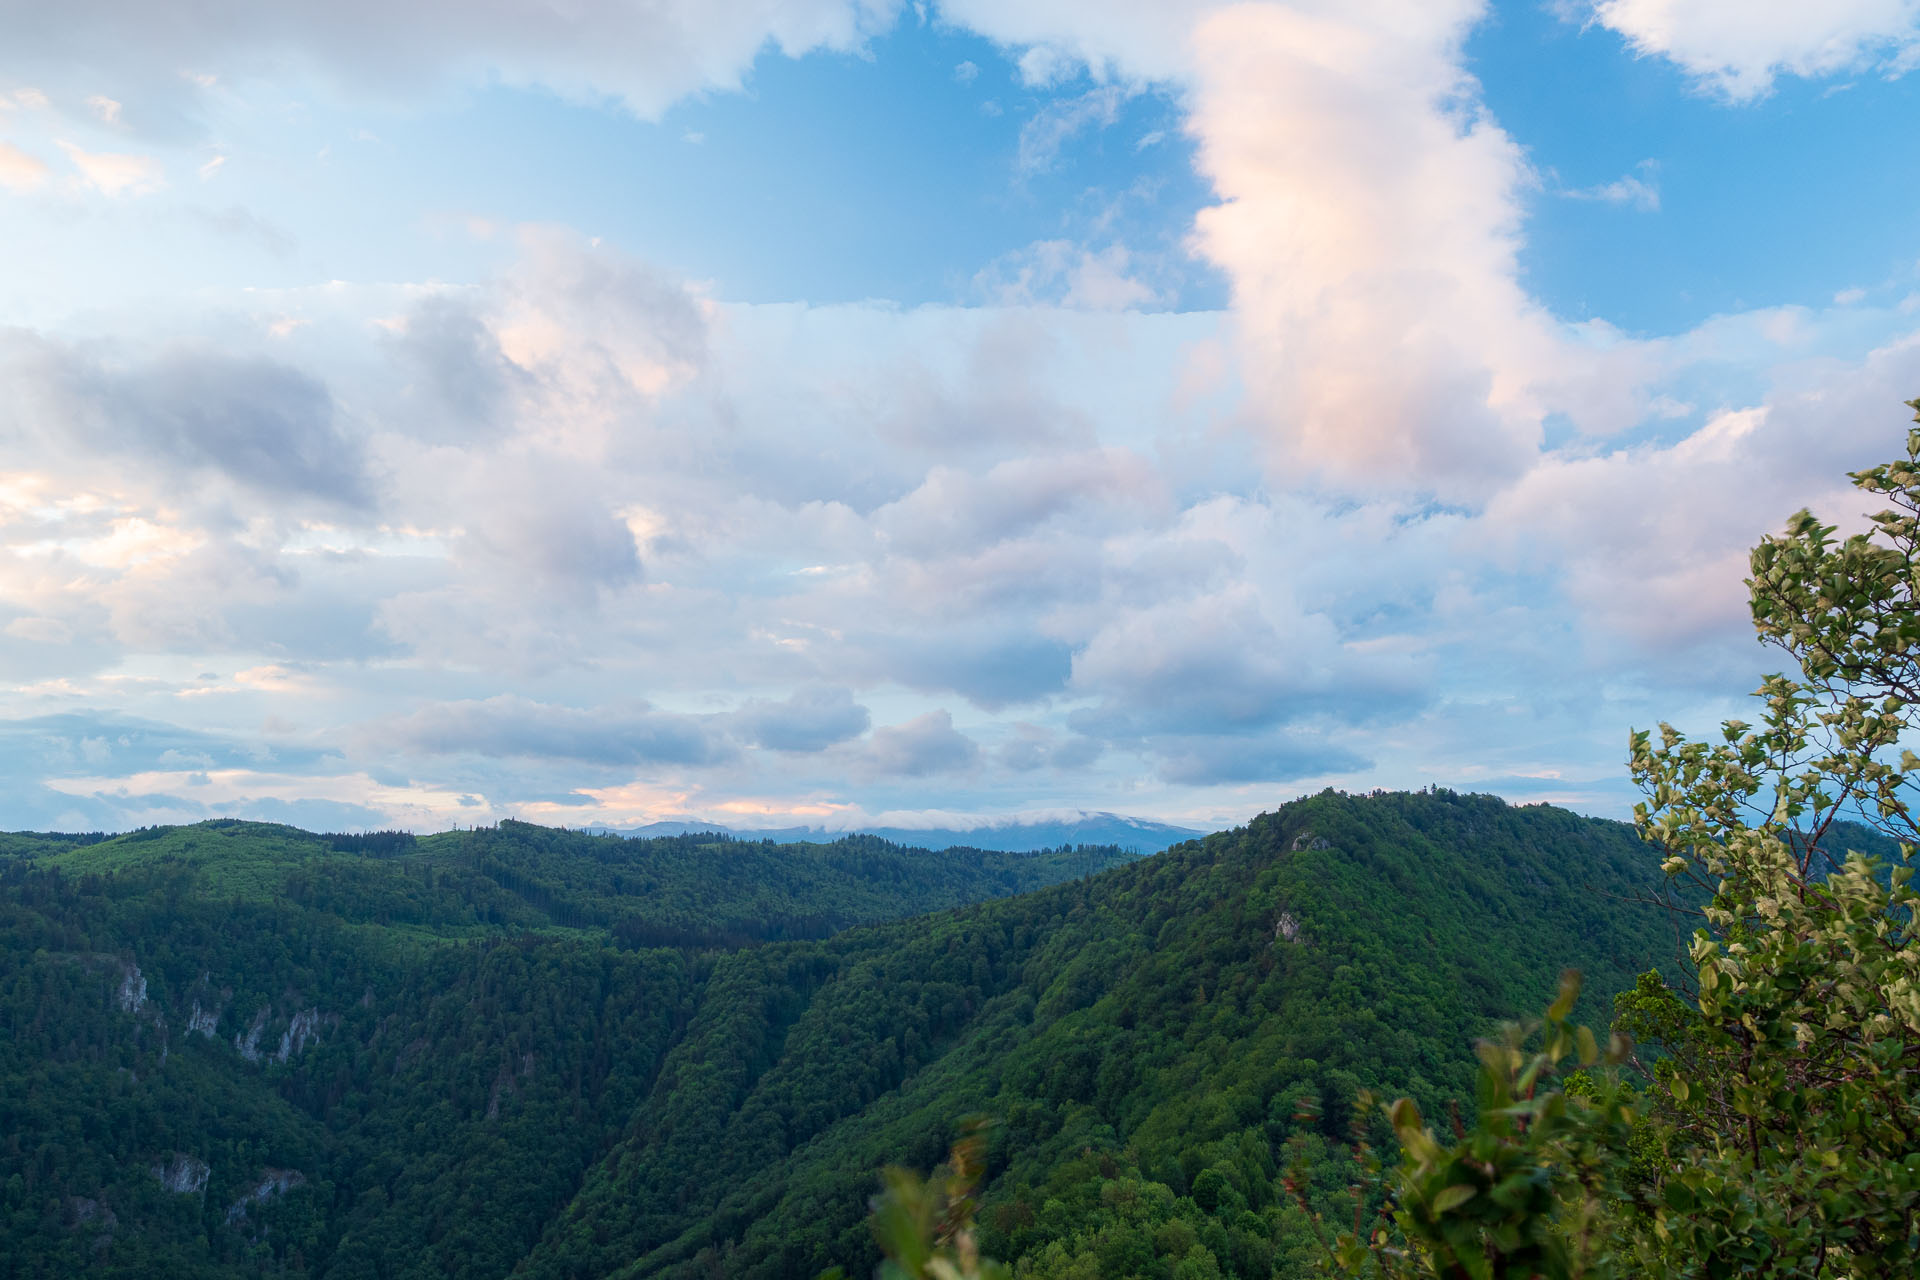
(1008, 836)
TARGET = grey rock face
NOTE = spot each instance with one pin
(273, 1182)
(183, 1174)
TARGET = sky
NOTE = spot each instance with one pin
(847, 412)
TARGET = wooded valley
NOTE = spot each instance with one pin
(237, 1049)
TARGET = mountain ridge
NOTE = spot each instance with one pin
(471, 1074)
(1002, 835)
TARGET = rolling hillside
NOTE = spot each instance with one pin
(238, 1050)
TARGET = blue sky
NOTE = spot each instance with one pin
(845, 411)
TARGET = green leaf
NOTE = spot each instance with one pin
(1569, 992)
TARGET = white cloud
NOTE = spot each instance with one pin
(647, 56)
(189, 410)
(512, 726)
(1043, 66)
(20, 171)
(1370, 227)
(927, 744)
(1651, 542)
(454, 534)
(842, 502)
(1066, 274)
(1132, 39)
(40, 630)
(1738, 47)
(1060, 121)
(952, 513)
(596, 329)
(1639, 189)
(116, 174)
(809, 720)
(105, 108)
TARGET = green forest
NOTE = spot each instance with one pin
(238, 1049)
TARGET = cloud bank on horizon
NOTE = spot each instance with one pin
(827, 412)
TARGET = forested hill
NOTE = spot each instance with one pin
(702, 890)
(238, 1051)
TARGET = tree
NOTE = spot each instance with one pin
(1770, 1124)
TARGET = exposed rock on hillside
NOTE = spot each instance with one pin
(183, 1174)
(273, 1182)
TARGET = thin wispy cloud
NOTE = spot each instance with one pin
(1637, 190)
(1059, 122)
(115, 173)
(20, 170)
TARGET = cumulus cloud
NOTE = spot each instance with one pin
(88, 771)
(532, 400)
(927, 744)
(40, 630)
(1222, 664)
(1370, 226)
(513, 726)
(597, 334)
(503, 499)
(448, 341)
(263, 423)
(1650, 542)
(991, 665)
(1032, 746)
(1156, 635)
(1369, 229)
(85, 742)
(809, 720)
(258, 422)
(953, 511)
(645, 56)
(1214, 761)
(546, 529)
(1126, 39)
(1063, 273)
(1737, 48)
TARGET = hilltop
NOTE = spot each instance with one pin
(1009, 835)
(698, 889)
